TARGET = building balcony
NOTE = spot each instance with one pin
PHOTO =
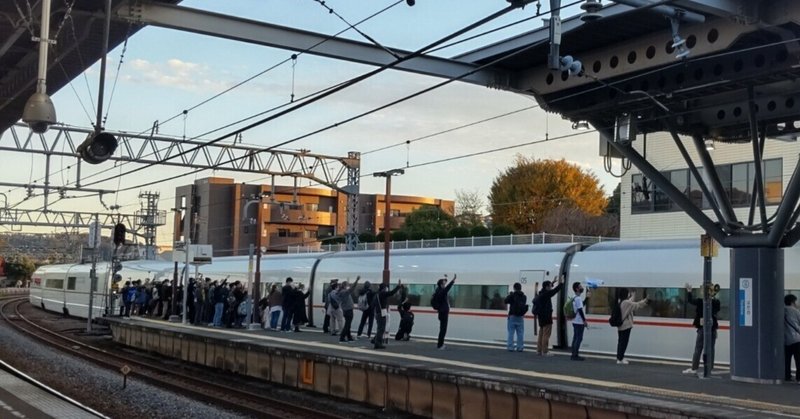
(296, 216)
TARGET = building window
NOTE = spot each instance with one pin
(773, 181)
(312, 207)
(641, 193)
(737, 181)
(309, 234)
(394, 213)
(283, 232)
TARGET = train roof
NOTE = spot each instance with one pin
(53, 268)
(467, 250)
(645, 245)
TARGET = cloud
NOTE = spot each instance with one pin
(175, 73)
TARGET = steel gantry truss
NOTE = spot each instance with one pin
(65, 219)
(155, 149)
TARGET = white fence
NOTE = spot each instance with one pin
(533, 238)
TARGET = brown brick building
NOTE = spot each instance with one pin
(211, 211)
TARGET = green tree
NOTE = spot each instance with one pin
(480, 231)
(502, 230)
(459, 231)
(366, 237)
(428, 222)
(20, 268)
(525, 193)
(399, 236)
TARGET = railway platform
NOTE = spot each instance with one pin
(467, 380)
(21, 399)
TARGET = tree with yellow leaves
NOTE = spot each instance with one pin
(524, 195)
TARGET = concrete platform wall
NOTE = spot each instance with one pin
(420, 391)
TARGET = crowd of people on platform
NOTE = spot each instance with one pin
(221, 304)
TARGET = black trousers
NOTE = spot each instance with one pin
(790, 351)
(366, 316)
(348, 320)
(326, 324)
(443, 318)
(624, 336)
(380, 332)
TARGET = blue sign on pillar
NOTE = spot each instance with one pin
(746, 301)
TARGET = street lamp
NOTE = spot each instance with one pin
(386, 226)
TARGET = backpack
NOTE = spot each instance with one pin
(536, 306)
(569, 309)
(518, 308)
(616, 316)
(363, 303)
(436, 301)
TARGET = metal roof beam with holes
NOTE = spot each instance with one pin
(266, 34)
(732, 76)
(145, 149)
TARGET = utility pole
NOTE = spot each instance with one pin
(256, 290)
(94, 242)
(387, 227)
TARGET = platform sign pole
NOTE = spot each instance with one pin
(708, 249)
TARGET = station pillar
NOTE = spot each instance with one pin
(756, 308)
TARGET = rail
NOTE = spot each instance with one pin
(513, 239)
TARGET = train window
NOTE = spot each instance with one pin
(419, 295)
(662, 302)
(71, 283)
(601, 300)
(54, 283)
(485, 297)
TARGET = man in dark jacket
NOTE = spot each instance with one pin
(543, 305)
(517, 307)
(368, 314)
(382, 311)
(698, 324)
(288, 305)
(441, 304)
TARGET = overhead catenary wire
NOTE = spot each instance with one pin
(342, 86)
(293, 57)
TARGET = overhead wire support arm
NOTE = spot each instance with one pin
(757, 161)
(325, 169)
(696, 174)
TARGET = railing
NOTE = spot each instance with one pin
(514, 239)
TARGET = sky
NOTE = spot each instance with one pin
(164, 71)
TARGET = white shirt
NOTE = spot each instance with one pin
(577, 304)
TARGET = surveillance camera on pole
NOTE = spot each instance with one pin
(39, 112)
(571, 65)
(98, 147)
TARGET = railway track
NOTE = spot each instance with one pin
(193, 385)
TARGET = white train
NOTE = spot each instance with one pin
(657, 269)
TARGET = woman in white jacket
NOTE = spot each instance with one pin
(627, 306)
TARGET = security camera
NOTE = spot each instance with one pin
(39, 113)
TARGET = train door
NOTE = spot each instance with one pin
(531, 282)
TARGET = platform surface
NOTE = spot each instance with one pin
(658, 383)
(19, 399)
